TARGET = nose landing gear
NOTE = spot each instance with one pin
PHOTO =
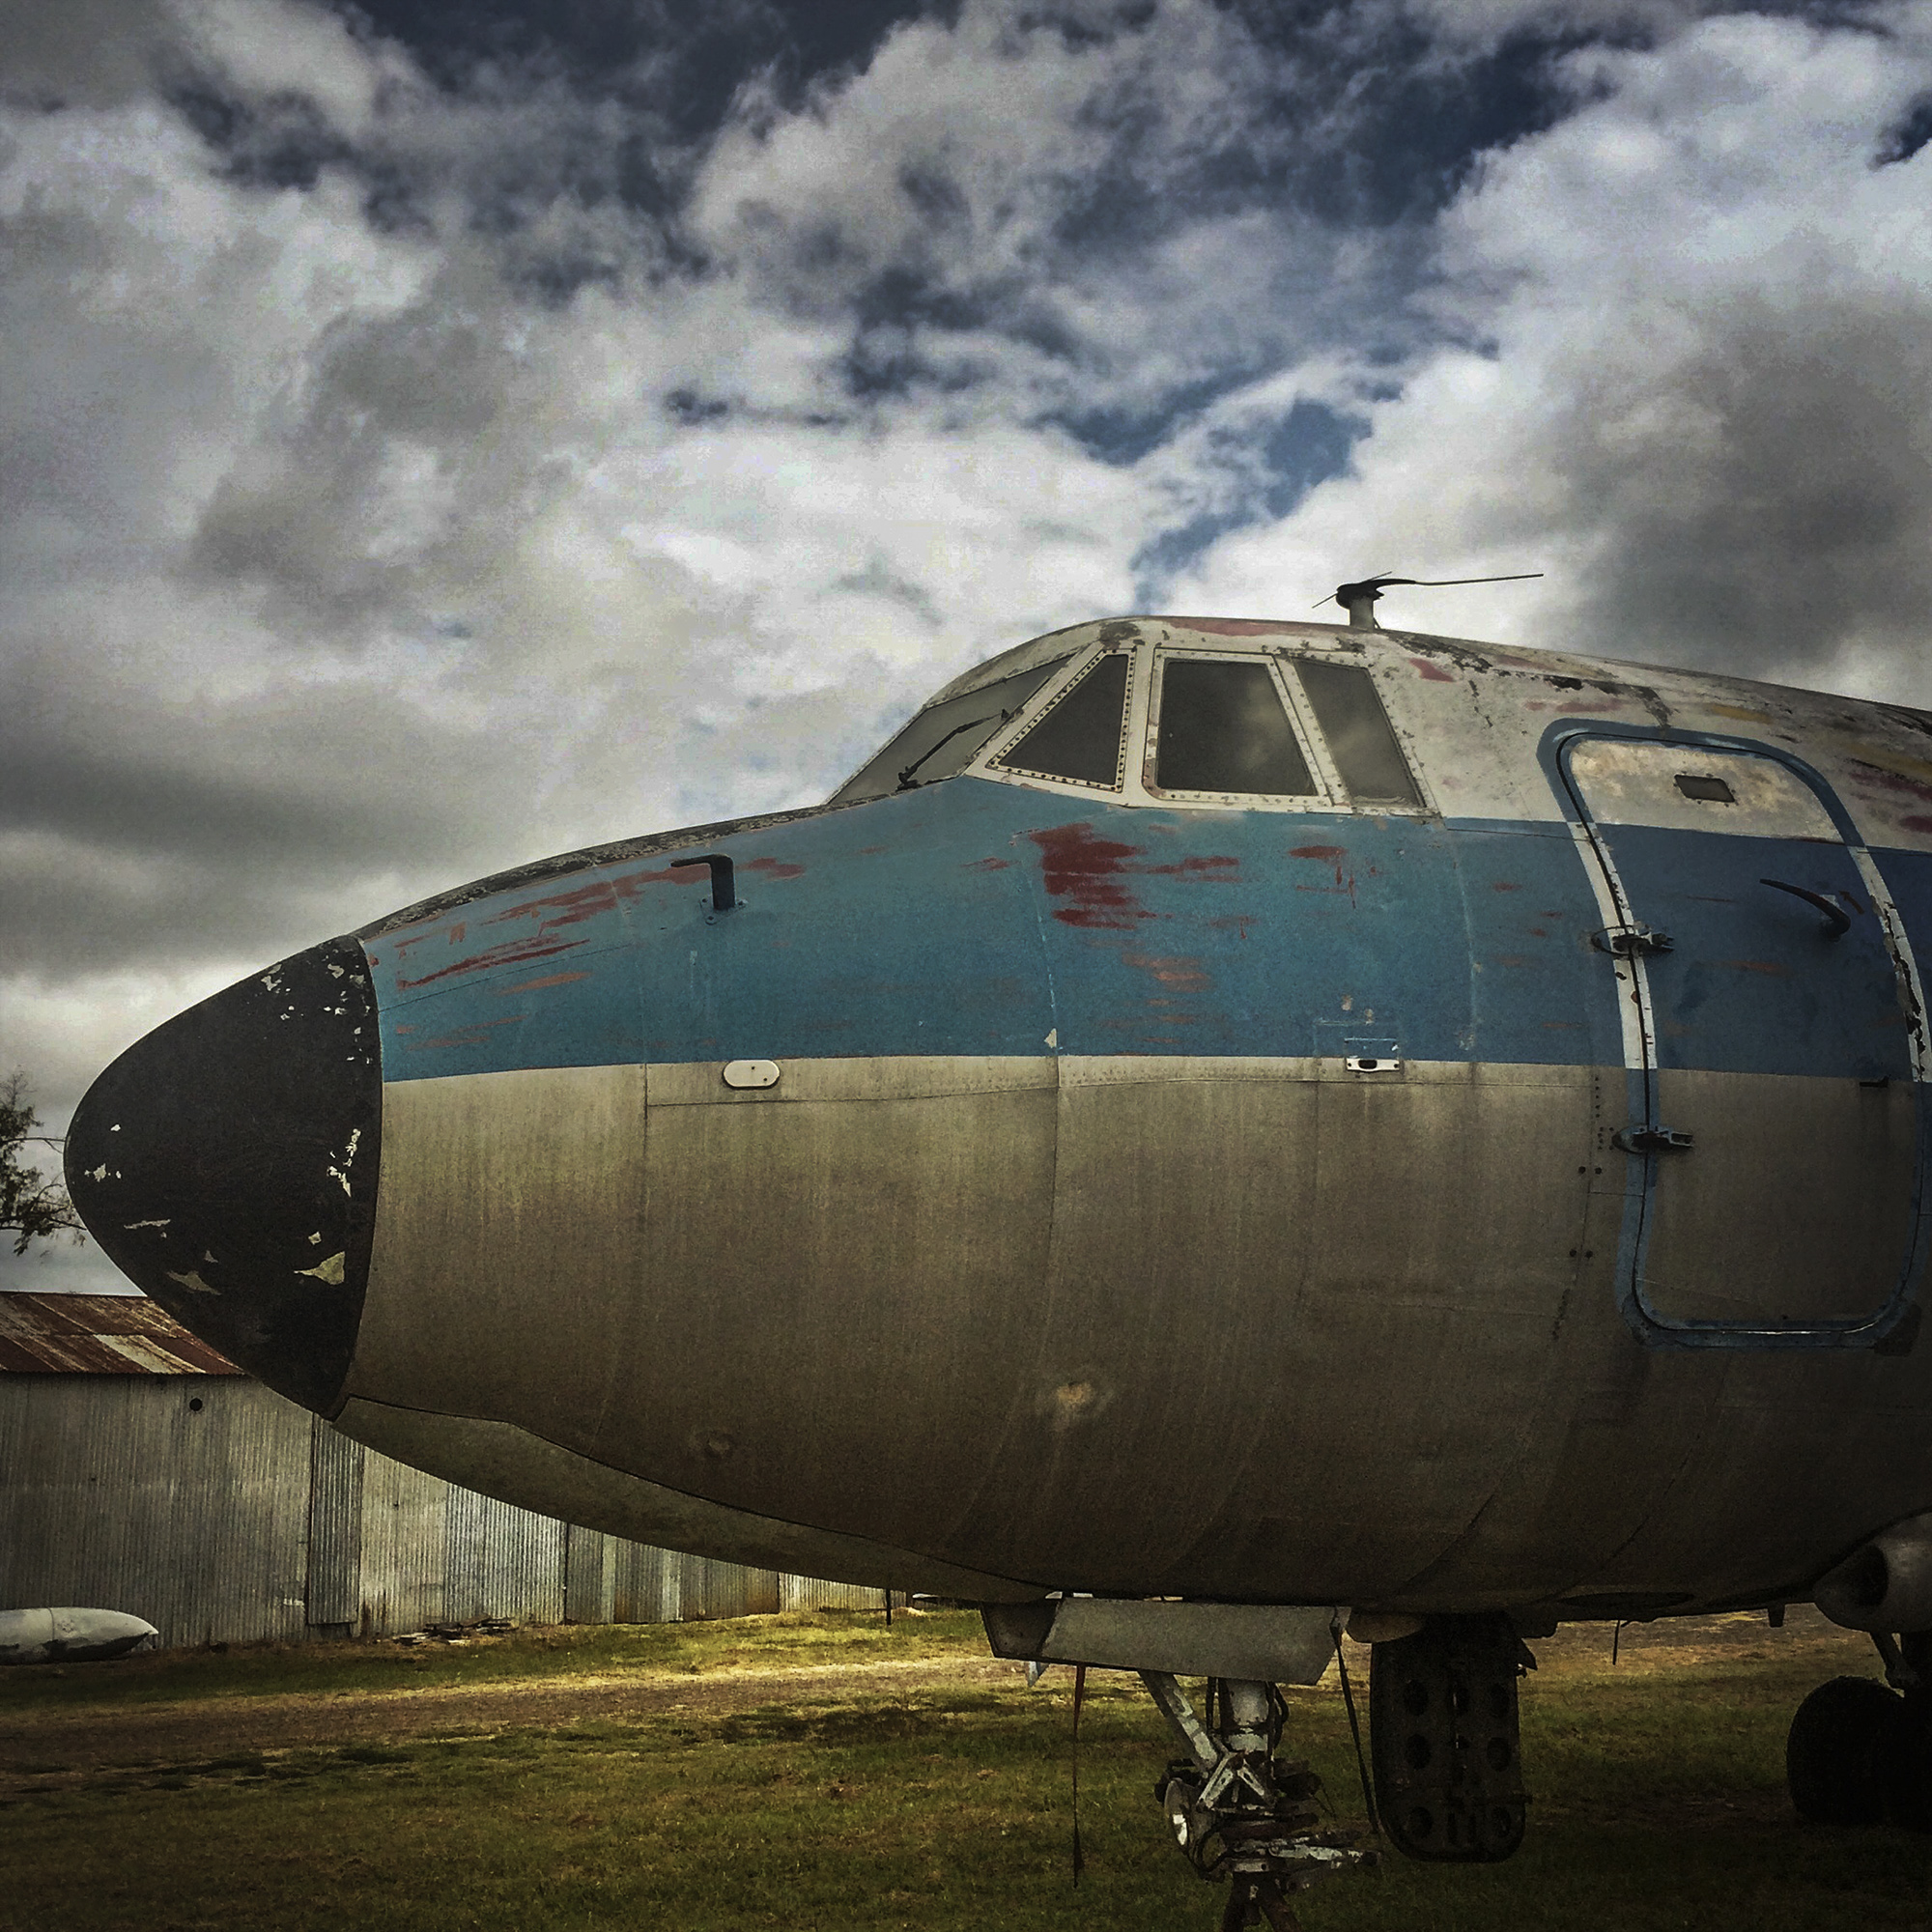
(1237, 1810)
(1862, 1755)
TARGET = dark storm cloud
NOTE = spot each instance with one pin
(1771, 510)
(82, 52)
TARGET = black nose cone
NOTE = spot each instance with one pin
(227, 1166)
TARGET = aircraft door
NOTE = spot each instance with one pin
(1770, 1017)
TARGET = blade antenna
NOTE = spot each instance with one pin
(1359, 599)
(1380, 577)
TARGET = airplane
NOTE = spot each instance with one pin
(71, 1636)
(1222, 1132)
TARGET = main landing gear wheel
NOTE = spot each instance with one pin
(1443, 1731)
(1842, 1747)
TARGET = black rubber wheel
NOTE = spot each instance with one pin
(1839, 1751)
(1905, 1766)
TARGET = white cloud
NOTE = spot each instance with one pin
(1705, 400)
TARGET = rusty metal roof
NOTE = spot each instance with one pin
(99, 1335)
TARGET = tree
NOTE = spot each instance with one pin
(31, 1208)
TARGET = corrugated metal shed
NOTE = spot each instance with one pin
(99, 1335)
(139, 1470)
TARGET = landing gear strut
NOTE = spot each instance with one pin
(1237, 1810)
(1862, 1755)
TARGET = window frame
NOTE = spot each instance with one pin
(1073, 672)
(1330, 773)
(1313, 753)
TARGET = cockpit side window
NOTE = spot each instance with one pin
(1361, 740)
(945, 738)
(1081, 737)
(1224, 728)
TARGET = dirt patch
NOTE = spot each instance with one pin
(54, 1745)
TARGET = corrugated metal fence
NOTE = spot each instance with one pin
(224, 1514)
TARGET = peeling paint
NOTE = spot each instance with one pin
(1186, 973)
(341, 1173)
(329, 1271)
(536, 985)
(1235, 627)
(1079, 866)
(1219, 864)
(1862, 772)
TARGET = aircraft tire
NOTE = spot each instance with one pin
(1839, 1752)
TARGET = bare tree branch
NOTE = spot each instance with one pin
(32, 1208)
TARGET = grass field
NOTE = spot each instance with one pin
(818, 1771)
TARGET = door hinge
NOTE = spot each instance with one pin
(1651, 1140)
(1631, 942)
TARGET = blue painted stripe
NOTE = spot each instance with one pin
(976, 917)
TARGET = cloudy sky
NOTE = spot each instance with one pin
(439, 433)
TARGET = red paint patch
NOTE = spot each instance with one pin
(1776, 971)
(1318, 851)
(1504, 886)
(1185, 974)
(600, 897)
(985, 865)
(1918, 822)
(775, 868)
(512, 953)
(1433, 672)
(1883, 780)
(1224, 867)
(537, 986)
(1088, 870)
(1233, 627)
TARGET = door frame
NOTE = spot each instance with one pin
(1637, 1023)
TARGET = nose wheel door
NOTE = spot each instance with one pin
(1774, 1049)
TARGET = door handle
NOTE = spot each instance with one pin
(1837, 922)
(1631, 942)
(1651, 1140)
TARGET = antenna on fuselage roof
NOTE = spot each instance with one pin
(1359, 599)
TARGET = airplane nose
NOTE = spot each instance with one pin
(227, 1166)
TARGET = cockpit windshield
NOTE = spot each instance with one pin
(945, 738)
